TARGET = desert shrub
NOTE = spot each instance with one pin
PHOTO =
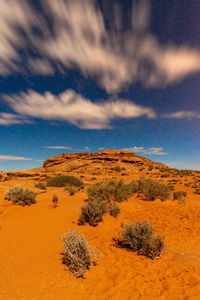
(76, 254)
(153, 190)
(121, 191)
(92, 213)
(71, 192)
(153, 247)
(139, 237)
(40, 185)
(109, 191)
(114, 210)
(170, 187)
(180, 196)
(135, 235)
(21, 196)
(55, 199)
(197, 191)
(133, 187)
(164, 175)
(64, 180)
(118, 169)
(150, 168)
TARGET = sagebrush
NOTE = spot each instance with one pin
(92, 213)
(21, 196)
(64, 180)
(140, 237)
(151, 189)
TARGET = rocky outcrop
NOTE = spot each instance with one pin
(73, 161)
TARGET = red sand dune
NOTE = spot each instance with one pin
(31, 246)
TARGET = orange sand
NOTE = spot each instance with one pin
(30, 259)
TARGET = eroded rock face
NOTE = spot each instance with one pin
(72, 161)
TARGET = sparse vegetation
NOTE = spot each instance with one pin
(92, 213)
(64, 180)
(150, 189)
(71, 192)
(101, 198)
(153, 247)
(197, 191)
(21, 196)
(76, 254)
(55, 200)
(109, 191)
(40, 185)
(114, 210)
(179, 195)
(139, 237)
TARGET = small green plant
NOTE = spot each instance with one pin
(76, 254)
(64, 180)
(114, 210)
(40, 185)
(21, 196)
(92, 213)
(139, 237)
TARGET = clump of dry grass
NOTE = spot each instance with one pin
(77, 254)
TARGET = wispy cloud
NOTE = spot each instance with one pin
(10, 119)
(75, 109)
(147, 151)
(57, 147)
(184, 114)
(115, 57)
(8, 157)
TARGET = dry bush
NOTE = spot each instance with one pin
(92, 213)
(135, 235)
(64, 180)
(40, 185)
(21, 196)
(179, 195)
(109, 191)
(152, 189)
(153, 247)
(139, 237)
(114, 210)
(55, 200)
(76, 254)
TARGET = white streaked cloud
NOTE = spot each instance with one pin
(75, 109)
(147, 151)
(80, 39)
(183, 114)
(57, 147)
(8, 157)
(10, 119)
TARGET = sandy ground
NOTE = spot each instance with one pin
(30, 251)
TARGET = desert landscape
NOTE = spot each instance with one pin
(99, 150)
(31, 252)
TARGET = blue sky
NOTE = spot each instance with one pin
(86, 75)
